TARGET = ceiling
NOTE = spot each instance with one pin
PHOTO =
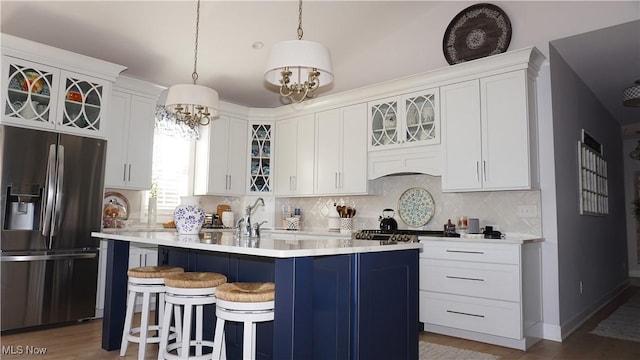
(370, 41)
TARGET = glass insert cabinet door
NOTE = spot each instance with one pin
(384, 123)
(82, 103)
(260, 160)
(420, 118)
(28, 93)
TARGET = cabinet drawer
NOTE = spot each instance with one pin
(491, 281)
(494, 317)
(469, 251)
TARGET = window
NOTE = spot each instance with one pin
(173, 164)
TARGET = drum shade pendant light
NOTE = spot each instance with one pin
(299, 67)
(191, 103)
(631, 95)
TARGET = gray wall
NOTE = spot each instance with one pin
(590, 249)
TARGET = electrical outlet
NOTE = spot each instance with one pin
(527, 211)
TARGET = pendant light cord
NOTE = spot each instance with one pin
(194, 76)
(300, 20)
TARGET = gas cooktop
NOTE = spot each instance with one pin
(401, 235)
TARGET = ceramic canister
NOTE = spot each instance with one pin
(188, 216)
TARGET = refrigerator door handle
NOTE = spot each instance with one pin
(47, 257)
(49, 192)
(59, 183)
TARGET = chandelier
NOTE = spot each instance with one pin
(299, 67)
(631, 95)
(193, 104)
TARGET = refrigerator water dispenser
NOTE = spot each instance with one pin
(21, 213)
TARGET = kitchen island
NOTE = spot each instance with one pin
(335, 299)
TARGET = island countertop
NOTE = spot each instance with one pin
(268, 247)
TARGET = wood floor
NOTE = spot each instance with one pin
(82, 341)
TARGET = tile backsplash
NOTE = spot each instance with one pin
(497, 208)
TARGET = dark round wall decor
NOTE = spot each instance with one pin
(477, 31)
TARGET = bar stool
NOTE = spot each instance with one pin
(249, 303)
(188, 289)
(144, 281)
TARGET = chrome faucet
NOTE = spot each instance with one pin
(245, 224)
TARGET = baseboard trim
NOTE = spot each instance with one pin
(552, 332)
(520, 344)
(573, 324)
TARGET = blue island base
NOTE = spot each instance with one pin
(351, 306)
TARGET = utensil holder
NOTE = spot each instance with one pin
(292, 223)
(346, 224)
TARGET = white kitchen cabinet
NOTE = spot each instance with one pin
(55, 90)
(487, 134)
(341, 151)
(404, 121)
(260, 145)
(146, 255)
(130, 134)
(221, 157)
(482, 291)
(294, 157)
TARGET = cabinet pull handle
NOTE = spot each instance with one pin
(463, 278)
(466, 252)
(228, 187)
(478, 171)
(129, 173)
(463, 313)
(124, 172)
(484, 170)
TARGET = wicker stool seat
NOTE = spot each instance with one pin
(184, 292)
(249, 303)
(144, 281)
(146, 272)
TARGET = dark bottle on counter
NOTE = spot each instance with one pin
(449, 228)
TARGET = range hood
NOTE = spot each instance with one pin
(407, 161)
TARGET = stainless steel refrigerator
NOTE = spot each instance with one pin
(52, 190)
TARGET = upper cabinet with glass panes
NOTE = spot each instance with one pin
(48, 95)
(261, 140)
(404, 121)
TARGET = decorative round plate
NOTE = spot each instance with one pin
(416, 207)
(115, 205)
(477, 31)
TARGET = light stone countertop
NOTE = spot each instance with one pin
(508, 239)
(273, 247)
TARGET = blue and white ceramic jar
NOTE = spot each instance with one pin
(188, 216)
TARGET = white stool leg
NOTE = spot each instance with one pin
(164, 336)
(186, 338)
(160, 311)
(131, 302)
(219, 348)
(199, 330)
(253, 340)
(178, 325)
(144, 325)
(247, 341)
